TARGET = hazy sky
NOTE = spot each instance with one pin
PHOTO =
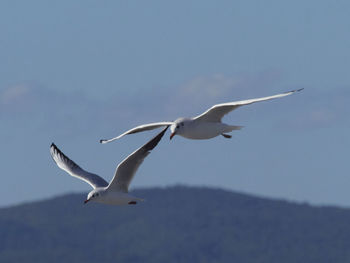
(72, 72)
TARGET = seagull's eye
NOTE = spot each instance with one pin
(177, 126)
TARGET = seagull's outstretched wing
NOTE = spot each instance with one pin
(141, 128)
(73, 169)
(128, 167)
(215, 113)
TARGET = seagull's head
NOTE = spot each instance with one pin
(94, 196)
(178, 127)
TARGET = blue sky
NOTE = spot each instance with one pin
(73, 72)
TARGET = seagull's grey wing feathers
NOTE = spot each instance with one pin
(141, 128)
(128, 167)
(73, 169)
(215, 113)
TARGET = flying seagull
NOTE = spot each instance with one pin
(204, 126)
(116, 192)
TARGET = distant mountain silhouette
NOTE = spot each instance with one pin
(176, 224)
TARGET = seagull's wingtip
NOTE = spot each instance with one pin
(294, 90)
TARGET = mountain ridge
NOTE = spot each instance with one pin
(175, 224)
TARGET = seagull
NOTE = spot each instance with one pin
(116, 192)
(204, 126)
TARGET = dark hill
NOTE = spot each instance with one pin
(177, 224)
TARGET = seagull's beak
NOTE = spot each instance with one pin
(87, 200)
(172, 135)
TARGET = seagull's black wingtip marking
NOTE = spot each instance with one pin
(294, 90)
(101, 141)
(53, 150)
(153, 143)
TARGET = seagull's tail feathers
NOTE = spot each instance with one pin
(235, 127)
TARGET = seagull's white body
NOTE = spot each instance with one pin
(200, 130)
(115, 192)
(115, 197)
(204, 126)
